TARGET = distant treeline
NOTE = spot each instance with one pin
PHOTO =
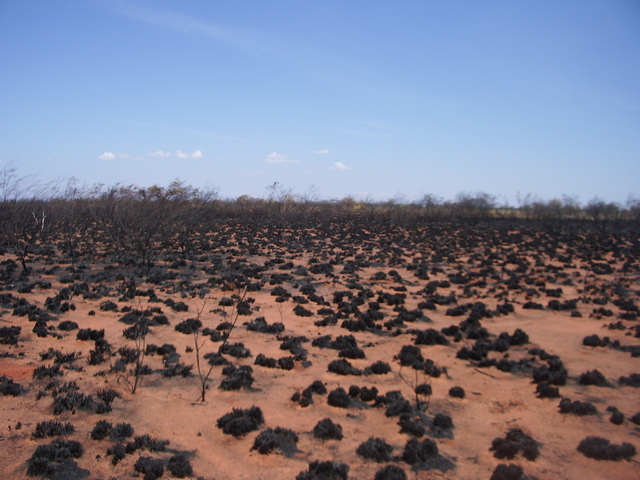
(140, 220)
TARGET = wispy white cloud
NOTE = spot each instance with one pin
(339, 166)
(182, 155)
(279, 158)
(323, 151)
(107, 156)
(245, 39)
(159, 154)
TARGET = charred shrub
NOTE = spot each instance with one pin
(593, 377)
(375, 449)
(507, 472)
(89, 334)
(390, 472)
(617, 418)
(278, 438)
(180, 466)
(327, 430)
(343, 367)
(577, 407)
(237, 378)
(9, 335)
(339, 398)
(601, 449)
(325, 471)
(150, 467)
(442, 421)
(595, 341)
(379, 368)
(237, 350)
(544, 390)
(122, 431)
(239, 422)
(456, 392)
(44, 371)
(101, 430)
(9, 387)
(52, 428)
(515, 441)
(261, 325)
(413, 427)
(49, 459)
(411, 355)
(416, 451)
(632, 380)
(189, 326)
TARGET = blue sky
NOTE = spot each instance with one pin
(373, 99)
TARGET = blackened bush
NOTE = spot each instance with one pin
(601, 449)
(343, 367)
(632, 380)
(237, 378)
(368, 394)
(9, 387)
(188, 326)
(519, 337)
(617, 418)
(577, 407)
(150, 467)
(532, 306)
(390, 472)
(264, 361)
(239, 422)
(237, 350)
(177, 369)
(101, 430)
(146, 442)
(46, 459)
(442, 421)
(507, 472)
(278, 438)
(45, 371)
(379, 368)
(544, 390)
(300, 311)
(515, 440)
(327, 470)
(430, 337)
(595, 341)
(286, 363)
(375, 449)
(180, 466)
(261, 325)
(352, 352)
(636, 419)
(416, 451)
(118, 451)
(318, 387)
(89, 334)
(327, 430)
(411, 427)
(52, 428)
(122, 431)
(396, 404)
(411, 355)
(67, 326)
(9, 335)
(339, 398)
(180, 307)
(354, 391)
(456, 392)
(593, 377)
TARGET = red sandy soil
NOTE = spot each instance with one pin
(496, 401)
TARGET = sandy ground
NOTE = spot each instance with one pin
(495, 401)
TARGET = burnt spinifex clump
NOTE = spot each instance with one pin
(602, 449)
(514, 442)
(239, 422)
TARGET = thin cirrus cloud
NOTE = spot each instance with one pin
(276, 157)
(324, 151)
